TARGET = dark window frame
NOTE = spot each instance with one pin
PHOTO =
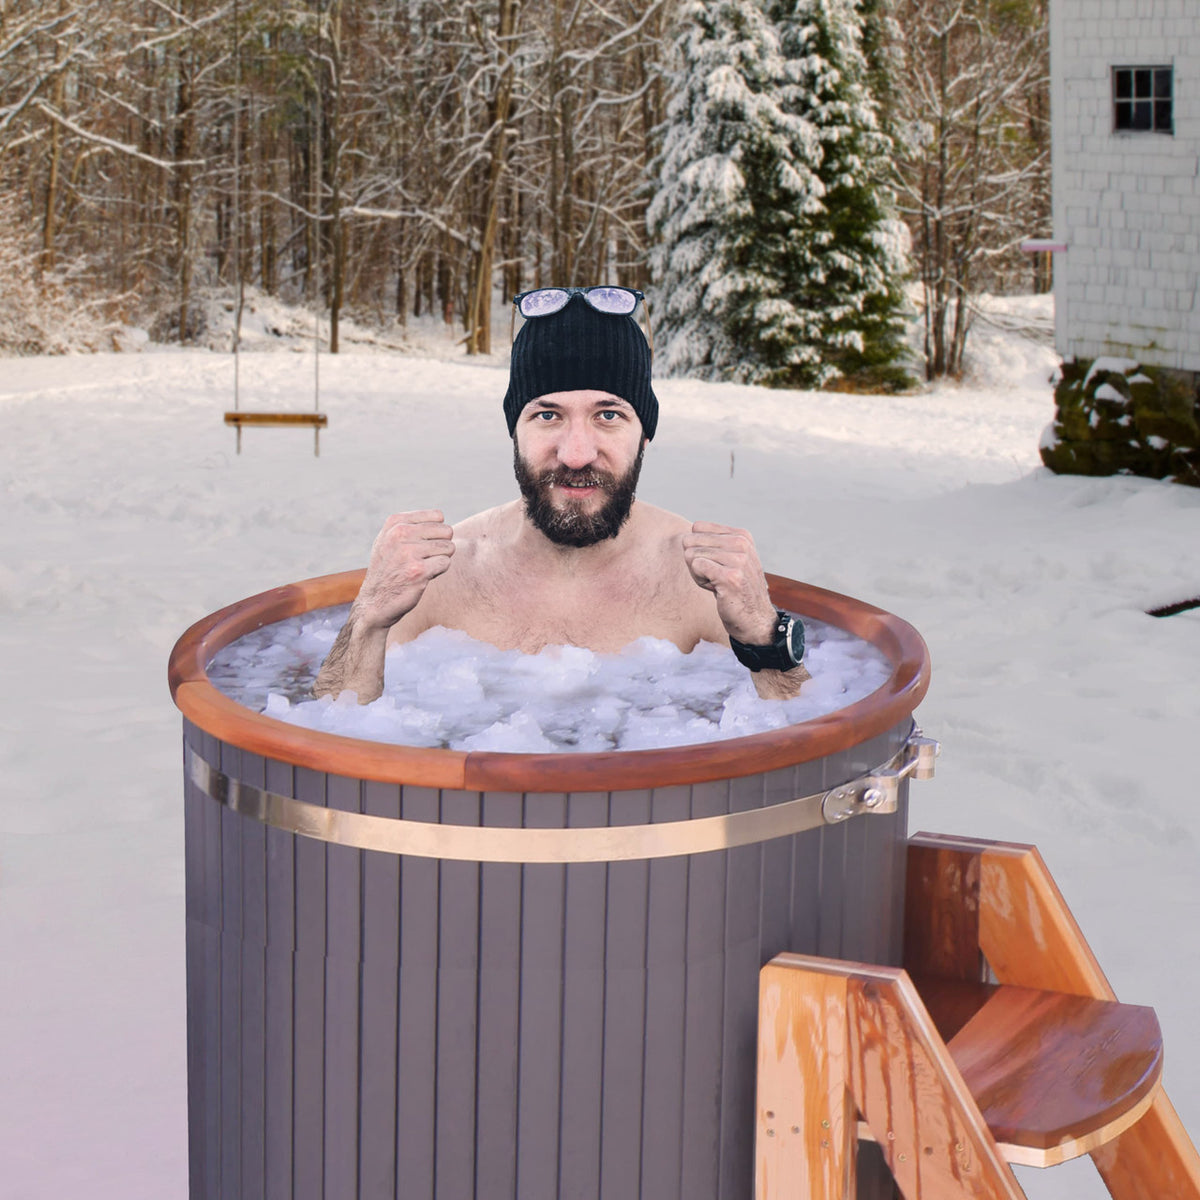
(1143, 99)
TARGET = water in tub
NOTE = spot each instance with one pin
(446, 689)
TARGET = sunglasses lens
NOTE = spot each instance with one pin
(612, 299)
(543, 302)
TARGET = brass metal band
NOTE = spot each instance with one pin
(492, 844)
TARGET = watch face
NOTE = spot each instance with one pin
(795, 639)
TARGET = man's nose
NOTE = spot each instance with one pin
(577, 448)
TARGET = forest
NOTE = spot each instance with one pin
(390, 159)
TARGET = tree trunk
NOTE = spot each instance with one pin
(337, 233)
(184, 133)
(52, 176)
(479, 299)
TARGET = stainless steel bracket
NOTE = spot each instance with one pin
(879, 792)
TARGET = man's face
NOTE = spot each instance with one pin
(577, 457)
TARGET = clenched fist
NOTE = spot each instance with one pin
(411, 549)
(723, 560)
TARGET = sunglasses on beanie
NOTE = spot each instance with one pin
(616, 301)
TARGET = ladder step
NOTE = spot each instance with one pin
(1054, 1075)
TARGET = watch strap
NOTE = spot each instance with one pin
(777, 655)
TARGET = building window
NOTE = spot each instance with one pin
(1143, 99)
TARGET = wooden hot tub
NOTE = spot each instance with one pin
(425, 973)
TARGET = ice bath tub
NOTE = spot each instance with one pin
(435, 974)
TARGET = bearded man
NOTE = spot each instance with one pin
(577, 560)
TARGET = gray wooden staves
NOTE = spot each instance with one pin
(362, 1024)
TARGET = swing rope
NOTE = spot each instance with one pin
(237, 417)
(237, 214)
(316, 186)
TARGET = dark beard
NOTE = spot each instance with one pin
(569, 526)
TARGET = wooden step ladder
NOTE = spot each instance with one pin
(999, 1041)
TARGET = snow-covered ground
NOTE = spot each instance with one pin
(1065, 714)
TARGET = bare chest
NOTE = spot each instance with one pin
(510, 609)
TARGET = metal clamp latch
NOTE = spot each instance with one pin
(879, 792)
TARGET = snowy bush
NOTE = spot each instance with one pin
(46, 312)
(1115, 416)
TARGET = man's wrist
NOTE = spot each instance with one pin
(780, 685)
(363, 623)
(780, 651)
(759, 630)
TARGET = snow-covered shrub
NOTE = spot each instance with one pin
(165, 325)
(45, 312)
(1115, 416)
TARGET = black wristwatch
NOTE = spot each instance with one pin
(784, 652)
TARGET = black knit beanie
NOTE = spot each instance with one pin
(578, 348)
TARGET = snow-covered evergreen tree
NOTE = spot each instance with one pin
(775, 261)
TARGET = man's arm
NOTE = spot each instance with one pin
(780, 685)
(724, 561)
(411, 550)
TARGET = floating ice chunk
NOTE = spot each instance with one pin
(520, 732)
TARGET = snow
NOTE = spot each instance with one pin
(447, 690)
(1111, 366)
(1066, 715)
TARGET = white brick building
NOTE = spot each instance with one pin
(1125, 111)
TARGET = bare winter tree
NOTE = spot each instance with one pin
(972, 175)
(76, 161)
(595, 99)
(378, 155)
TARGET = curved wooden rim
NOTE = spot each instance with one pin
(613, 770)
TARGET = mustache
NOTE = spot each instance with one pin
(577, 477)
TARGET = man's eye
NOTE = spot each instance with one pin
(609, 415)
(546, 413)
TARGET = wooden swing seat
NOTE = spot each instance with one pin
(239, 418)
(276, 418)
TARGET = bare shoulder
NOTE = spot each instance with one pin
(661, 526)
(489, 523)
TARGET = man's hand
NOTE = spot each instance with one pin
(723, 560)
(411, 549)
